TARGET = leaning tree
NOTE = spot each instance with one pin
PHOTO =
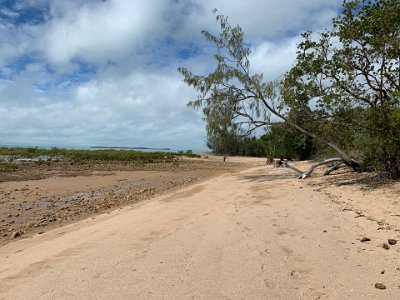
(351, 74)
(325, 79)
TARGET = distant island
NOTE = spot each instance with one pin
(129, 148)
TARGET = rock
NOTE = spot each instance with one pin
(385, 246)
(380, 286)
(15, 234)
(392, 241)
(365, 239)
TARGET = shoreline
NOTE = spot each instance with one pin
(47, 197)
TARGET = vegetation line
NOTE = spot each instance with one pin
(86, 155)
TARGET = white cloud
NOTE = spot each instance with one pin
(274, 18)
(274, 59)
(98, 32)
(9, 13)
(262, 19)
(104, 72)
(13, 43)
(138, 110)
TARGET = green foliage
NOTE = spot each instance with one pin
(249, 146)
(351, 75)
(87, 155)
(343, 92)
(189, 153)
(233, 100)
(280, 140)
(7, 166)
(283, 141)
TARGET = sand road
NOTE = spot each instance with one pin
(258, 234)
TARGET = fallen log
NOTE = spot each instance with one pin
(334, 168)
(307, 173)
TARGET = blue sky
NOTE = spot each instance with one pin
(92, 72)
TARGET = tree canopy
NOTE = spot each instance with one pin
(351, 76)
(343, 91)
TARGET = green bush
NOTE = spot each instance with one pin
(86, 155)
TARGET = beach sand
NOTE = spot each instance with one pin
(249, 232)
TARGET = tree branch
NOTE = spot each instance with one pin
(334, 168)
(307, 173)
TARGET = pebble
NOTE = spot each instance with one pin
(392, 241)
(385, 246)
(365, 239)
(380, 286)
(15, 234)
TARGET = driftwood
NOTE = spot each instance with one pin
(335, 167)
(307, 173)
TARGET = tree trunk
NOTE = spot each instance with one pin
(334, 168)
(307, 173)
(345, 158)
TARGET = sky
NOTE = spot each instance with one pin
(79, 73)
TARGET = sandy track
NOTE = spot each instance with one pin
(258, 234)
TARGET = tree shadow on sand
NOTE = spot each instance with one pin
(366, 181)
(267, 177)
